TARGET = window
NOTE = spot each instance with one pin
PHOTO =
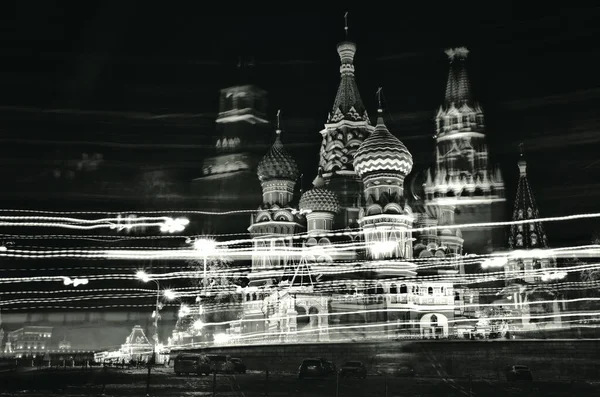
(430, 290)
(434, 321)
(393, 289)
(403, 289)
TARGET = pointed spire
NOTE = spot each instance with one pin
(379, 108)
(346, 24)
(522, 164)
(527, 235)
(278, 130)
(458, 87)
(348, 104)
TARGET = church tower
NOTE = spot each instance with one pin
(463, 188)
(346, 128)
(275, 223)
(531, 269)
(228, 181)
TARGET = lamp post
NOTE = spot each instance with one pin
(168, 294)
(206, 247)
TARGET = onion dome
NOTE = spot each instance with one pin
(277, 164)
(319, 199)
(382, 152)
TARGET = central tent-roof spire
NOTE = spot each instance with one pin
(348, 104)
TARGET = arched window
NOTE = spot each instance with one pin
(430, 290)
(403, 289)
(379, 290)
(456, 296)
(247, 297)
(393, 289)
(434, 321)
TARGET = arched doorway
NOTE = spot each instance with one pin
(434, 325)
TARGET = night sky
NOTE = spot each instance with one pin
(140, 85)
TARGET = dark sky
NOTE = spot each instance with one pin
(140, 85)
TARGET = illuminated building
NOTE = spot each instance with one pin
(359, 271)
(29, 340)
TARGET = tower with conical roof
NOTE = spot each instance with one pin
(531, 268)
(527, 239)
(347, 126)
(463, 188)
(276, 221)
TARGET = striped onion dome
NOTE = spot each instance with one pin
(319, 199)
(382, 152)
(277, 164)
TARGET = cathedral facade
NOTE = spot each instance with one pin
(357, 256)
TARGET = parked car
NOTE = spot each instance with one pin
(329, 366)
(313, 368)
(189, 363)
(238, 366)
(405, 371)
(221, 364)
(353, 369)
(518, 372)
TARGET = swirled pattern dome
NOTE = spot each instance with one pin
(319, 199)
(277, 164)
(382, 152)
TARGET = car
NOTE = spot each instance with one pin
(220, 363)
(405, 371)
(313, 368)
(238, 366)
(189, 363)
(353, 369)
(518, 372)
(328, 365)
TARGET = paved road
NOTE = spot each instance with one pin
(165, 383)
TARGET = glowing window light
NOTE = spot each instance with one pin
(493, 262)
(383, 247)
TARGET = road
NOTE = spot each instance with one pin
(118, 382)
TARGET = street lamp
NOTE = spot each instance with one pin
(168, 294)
(206, 247)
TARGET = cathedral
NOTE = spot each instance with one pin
(363, 253)
(358, 255)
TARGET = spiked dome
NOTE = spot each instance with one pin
(277, 164)
(382, 152)
(319, 199)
